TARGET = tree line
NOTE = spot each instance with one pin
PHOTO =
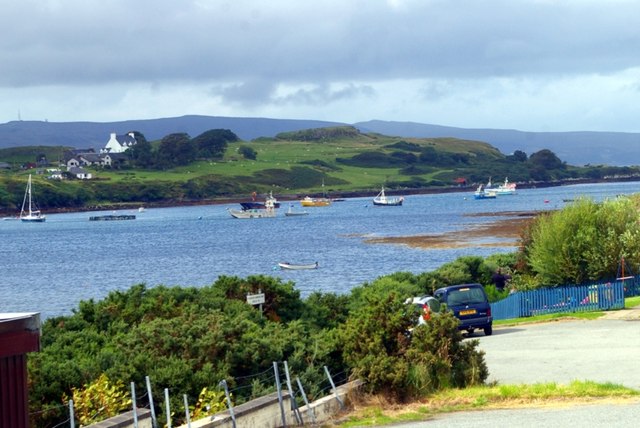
(179, 149)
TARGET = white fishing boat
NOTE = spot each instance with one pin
(386, 201)
(506, 188)
(29, 211)
(293, 266)
(252, 213)
(483, 193)
(269, 210)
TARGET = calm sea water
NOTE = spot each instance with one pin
(51, 267)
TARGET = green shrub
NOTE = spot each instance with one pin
(584, 241)
(377, 345)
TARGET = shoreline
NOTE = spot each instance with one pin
(287, 198)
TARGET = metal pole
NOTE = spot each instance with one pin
(167, 406)
(186, 410)
(154, 420)
(333, 385)
(306, 401)
(133, 403)
(279, 388)
(72, 416)
(294, 405)
(226, 392)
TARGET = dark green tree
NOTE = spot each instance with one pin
(175, 150)
(546, 159)
(518, 156)
(213, 143)
(141, 154)
(248, 152)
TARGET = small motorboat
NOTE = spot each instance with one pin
(293, 266)
(292, 213)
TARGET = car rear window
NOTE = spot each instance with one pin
(465, 296)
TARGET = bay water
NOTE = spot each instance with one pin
(50, 267)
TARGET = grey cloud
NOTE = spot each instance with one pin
(250, 93)
(323, 94)
(258, 92)
(48, 42)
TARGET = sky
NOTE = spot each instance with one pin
(531, 65)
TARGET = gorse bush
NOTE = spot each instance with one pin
(381, 346)
(189, 339)
(438, 357)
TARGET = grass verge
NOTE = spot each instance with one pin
(374, 411)
(629, 302)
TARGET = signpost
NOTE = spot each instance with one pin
(256, 299)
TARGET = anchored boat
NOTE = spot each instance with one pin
(30, 212)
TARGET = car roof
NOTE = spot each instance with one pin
(458, 286)
(420, 299)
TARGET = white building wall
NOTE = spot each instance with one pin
(113, 146)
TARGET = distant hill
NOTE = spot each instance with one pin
(576, 148)
(96, 134)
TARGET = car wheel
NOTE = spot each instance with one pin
(488, 331)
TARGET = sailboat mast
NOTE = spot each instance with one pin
(29, 192)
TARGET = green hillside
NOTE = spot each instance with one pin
(335, 160)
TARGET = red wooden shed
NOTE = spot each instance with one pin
(19, 334)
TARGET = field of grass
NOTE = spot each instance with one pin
(319, 157)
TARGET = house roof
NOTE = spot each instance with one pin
(117, 156)
(125, 140)
(91, 157)
(77, 170)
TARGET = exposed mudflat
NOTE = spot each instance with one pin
(500, 233)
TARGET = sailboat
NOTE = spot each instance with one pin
(29, 211)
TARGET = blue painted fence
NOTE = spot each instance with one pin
(576, 298)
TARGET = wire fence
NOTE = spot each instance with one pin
(259, 384)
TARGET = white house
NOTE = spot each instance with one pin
(119, 143)
(80, 173)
